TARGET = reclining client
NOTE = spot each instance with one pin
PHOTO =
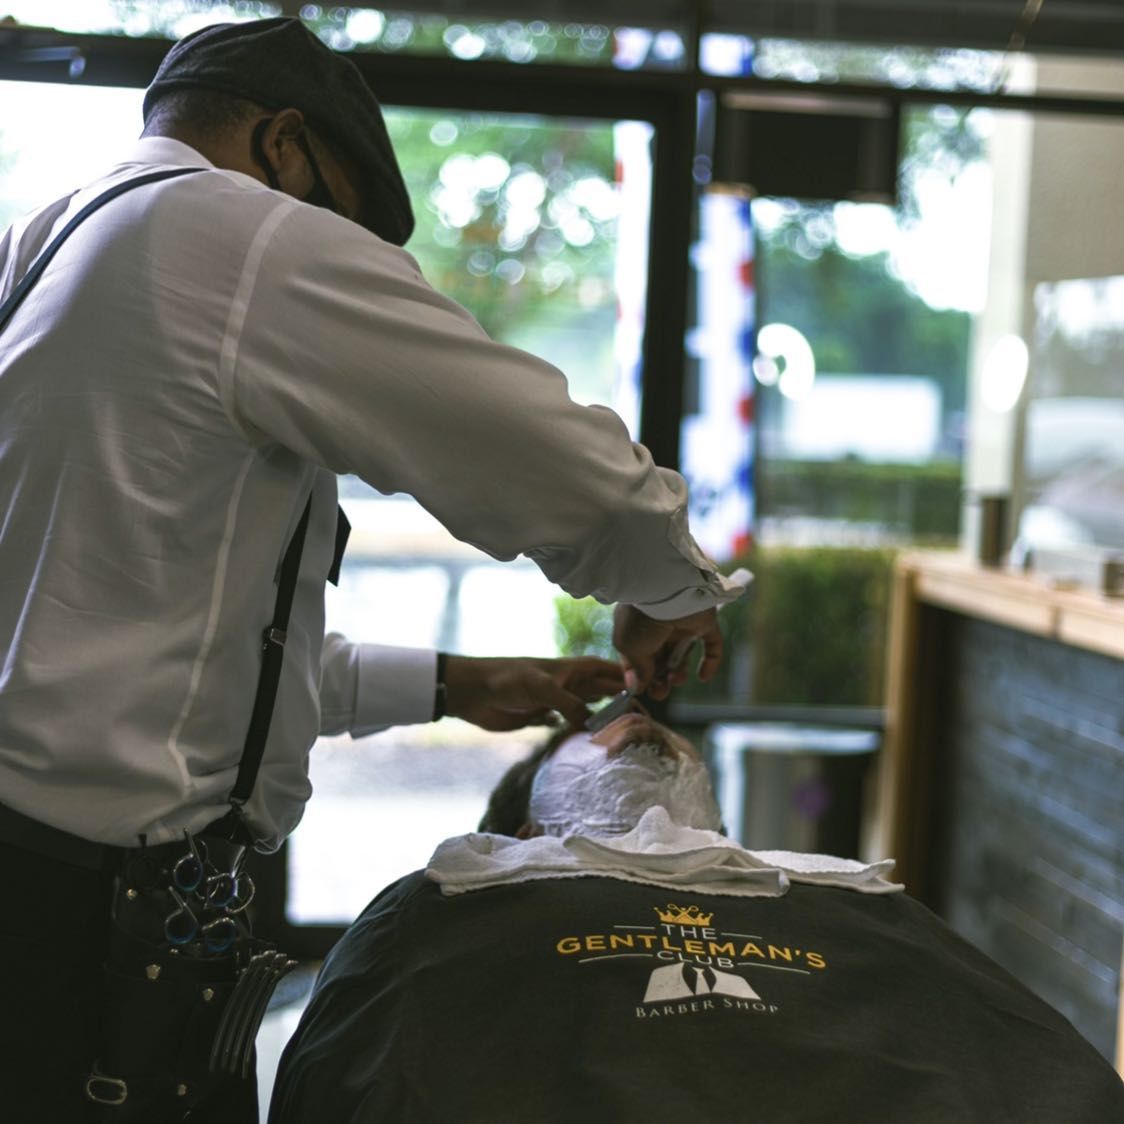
(600, 951)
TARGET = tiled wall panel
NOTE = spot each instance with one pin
(1029, 855)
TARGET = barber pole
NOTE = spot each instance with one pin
(718, 434)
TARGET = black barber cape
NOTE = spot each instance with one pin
(600, 1000)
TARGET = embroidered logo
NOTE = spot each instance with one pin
(702, 966)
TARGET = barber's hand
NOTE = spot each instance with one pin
(509, 693)
(654, 653)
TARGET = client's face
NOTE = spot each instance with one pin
(601, 784)
(637, 728)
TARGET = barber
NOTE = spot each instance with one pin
(178, 392)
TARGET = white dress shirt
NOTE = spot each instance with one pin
(199, 355)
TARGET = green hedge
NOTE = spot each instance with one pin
(819, 622)
(920, 501)
(583, 628)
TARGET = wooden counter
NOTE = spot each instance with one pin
(1001, 792)
(1021, 601)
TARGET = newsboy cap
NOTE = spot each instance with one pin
(279, 64)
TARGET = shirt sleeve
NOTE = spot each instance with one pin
(349, 358)
(365, 688)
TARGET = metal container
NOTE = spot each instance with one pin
(785, 786)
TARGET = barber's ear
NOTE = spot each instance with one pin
(279, 142)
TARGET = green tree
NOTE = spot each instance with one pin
(515, 215)
(859, 317)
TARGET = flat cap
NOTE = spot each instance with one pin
(280, 64)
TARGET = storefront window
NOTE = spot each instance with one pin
(87, 127)
(904, 67)
(353, 27)
(842, 332)
(866, 444)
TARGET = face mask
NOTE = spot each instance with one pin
(580, 790)
(320, 195)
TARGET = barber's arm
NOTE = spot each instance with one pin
(348, 358)
(365, 688)
(507, 694)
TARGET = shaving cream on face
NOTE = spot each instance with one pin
(582, 790)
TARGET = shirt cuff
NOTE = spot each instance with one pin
(395, 687)
(713, 591)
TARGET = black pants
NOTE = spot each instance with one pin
(54, 935)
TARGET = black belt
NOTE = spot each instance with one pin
(18, 830)
(22, 831)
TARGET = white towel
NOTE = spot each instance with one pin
(657, 852)
(828, 870)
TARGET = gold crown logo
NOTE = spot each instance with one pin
(677, 915)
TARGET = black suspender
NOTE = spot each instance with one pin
(273, 652)
(273, 648)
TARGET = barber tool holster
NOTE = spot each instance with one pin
(185, 983)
